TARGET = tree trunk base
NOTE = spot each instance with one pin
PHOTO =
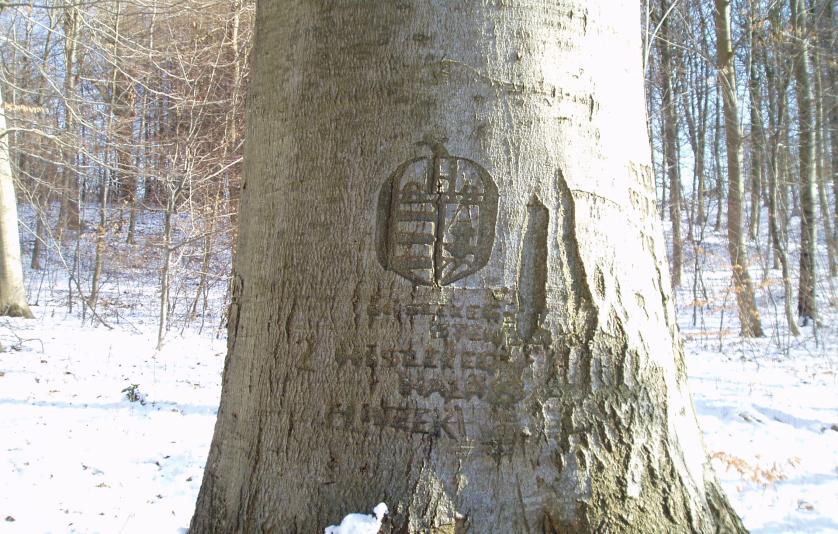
(17, 310)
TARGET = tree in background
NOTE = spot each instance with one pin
(12, 292)
(806, 303)
(671, 160)
(450, 290)
(748, 312)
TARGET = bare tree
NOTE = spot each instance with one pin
(757, 138)
(69, 216)
(671, 150)
(748, 312)
(777, 86)
(806, 303)
(12, 293)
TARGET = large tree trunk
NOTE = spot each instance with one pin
(749, 319)
(12, 292)
(450, 290)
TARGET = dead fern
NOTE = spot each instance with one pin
(753, 472)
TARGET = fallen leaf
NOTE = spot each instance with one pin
(803, 505)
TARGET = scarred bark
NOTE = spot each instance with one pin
(450, 290)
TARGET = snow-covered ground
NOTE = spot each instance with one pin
(771, 425)
(75, 454)
(100, 432)
(768, 407)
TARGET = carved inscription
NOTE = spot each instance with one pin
(462, 377)
(448, 423)
(436, 219)
(497, 435)
(444, 373)
(464, 350)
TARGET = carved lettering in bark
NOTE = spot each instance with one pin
(451, 375)
(448, 423)
(466, 357)
(436, 219)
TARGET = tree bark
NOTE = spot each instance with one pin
(757, 144)
(69, 216)
(829, 39)
(806, 307)
(165, 271)
(670, 141)
(749, 319)
(717, 163)
(40, 230)
(104, 189)
(823, 168)
(450, 290)
(694, 106)
(12, 292)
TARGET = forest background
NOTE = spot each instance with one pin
(124, 124)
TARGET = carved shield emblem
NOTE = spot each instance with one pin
(436, 219)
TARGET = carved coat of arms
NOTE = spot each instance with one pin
(436, 219)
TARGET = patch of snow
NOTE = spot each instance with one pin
(360, 523)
